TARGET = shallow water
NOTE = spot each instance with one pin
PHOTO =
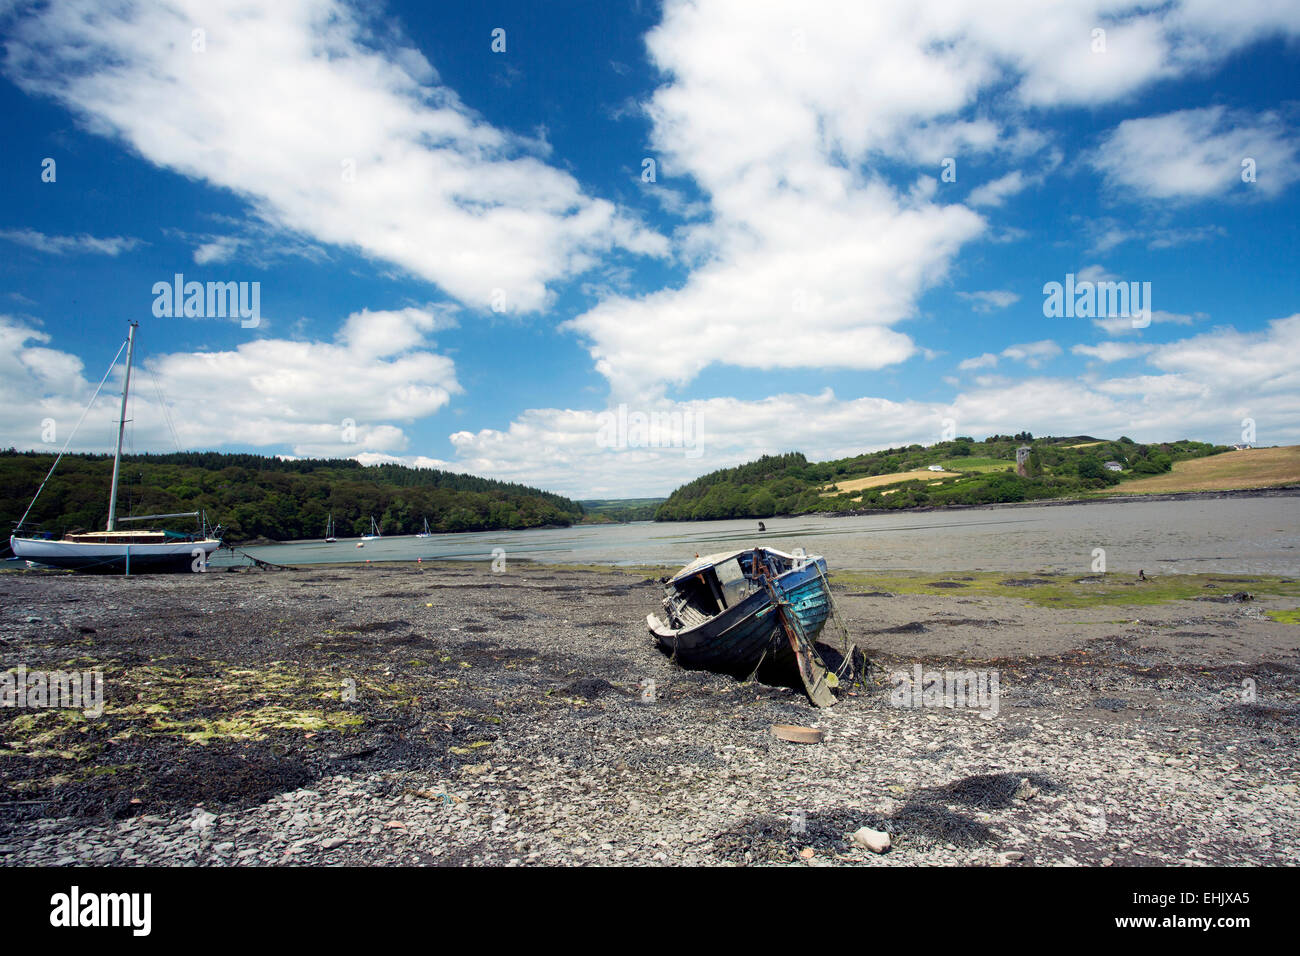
(1251, 535)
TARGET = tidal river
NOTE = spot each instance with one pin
(1252, 535)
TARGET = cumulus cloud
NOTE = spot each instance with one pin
(996, 192)
(1197, 153)
(987, 360)
(989, 300)
(328, 130)
(1033, 354)
(377, 375)
(811, 258)
(1112, 351)
(1199, 387)
(1120, 325)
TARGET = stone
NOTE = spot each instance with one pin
(874, 840)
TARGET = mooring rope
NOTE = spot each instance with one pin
(257, 562)
(849, 645)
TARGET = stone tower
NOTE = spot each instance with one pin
(1022, 461)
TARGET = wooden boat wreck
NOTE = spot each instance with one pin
(741, 611)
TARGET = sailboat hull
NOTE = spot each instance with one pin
(172, 557)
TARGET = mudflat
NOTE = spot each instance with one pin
(444, 714)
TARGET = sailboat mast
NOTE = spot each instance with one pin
(121, 427)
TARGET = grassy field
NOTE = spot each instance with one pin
(876, 481)
(1232, 470)
(1064, 590)
(977, 464)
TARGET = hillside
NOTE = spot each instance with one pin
(253, 496)
(1233, 470)
(613, 510)
(899, 478)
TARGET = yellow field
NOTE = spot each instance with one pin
(1086, 444)
(1253, 468)
(875, 481)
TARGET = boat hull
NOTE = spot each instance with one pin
(749, 634)
(172, 557)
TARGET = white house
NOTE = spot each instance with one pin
(936, 467)
(1113, 466)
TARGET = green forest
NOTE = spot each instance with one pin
(614, 510)
(974, 473)
(255, 497)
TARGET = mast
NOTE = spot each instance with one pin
(121, 426)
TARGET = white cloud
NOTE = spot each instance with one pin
(780, 121)
(62, 245)
(996, 192)
(378, 373)
(1112, 351)
(273, 392)
(1199, 387)
(990, 300)
(1119, 324)
(1032, 354)
(1193, 154)
(286, 99)
(987, 360)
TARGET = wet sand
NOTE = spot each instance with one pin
(448, 715)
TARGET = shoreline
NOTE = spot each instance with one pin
(1286, 491)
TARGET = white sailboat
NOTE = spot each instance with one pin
(426, 533)
(374, 531)
(113, 551)
(329, 530)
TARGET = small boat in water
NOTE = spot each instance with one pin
(112, 551)
(426, 533)
(329, 530)
(374, 531)
(739, 611)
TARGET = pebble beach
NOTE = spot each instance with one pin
(449, 715)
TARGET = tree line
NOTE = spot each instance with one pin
(258, 497)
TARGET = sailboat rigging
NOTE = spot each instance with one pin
(111, 550)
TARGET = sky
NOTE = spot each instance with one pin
(603, 248)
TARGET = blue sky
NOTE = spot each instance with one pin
(463, 263)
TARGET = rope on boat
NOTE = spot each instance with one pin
(70, 437)
(849, 646)
(759, 664)
(257, 562)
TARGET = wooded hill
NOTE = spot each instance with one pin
(613, 510)
(253, 496)
(973, 473)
